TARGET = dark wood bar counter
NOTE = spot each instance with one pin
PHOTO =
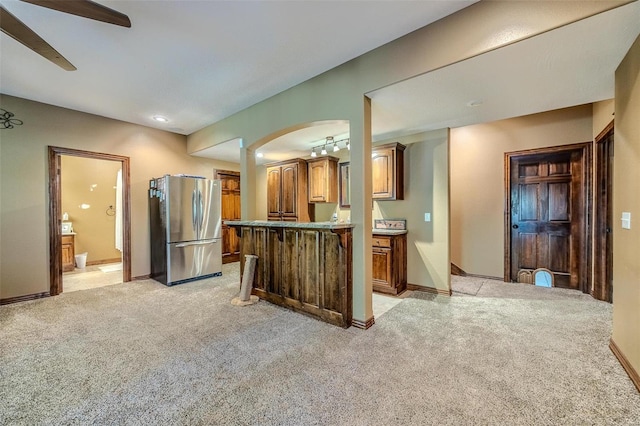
(305, 267)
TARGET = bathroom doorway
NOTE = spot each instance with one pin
(104, 263)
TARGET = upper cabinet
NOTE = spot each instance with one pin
(287, 192)
(323, 180)
(387, 164)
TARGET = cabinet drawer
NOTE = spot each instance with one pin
(381, 242)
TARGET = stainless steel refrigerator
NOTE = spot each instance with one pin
(186, 229)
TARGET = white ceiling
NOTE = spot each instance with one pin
(197, 62)
(570, 66)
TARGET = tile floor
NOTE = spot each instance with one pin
(91, 277)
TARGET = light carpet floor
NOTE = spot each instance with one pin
(141, 353)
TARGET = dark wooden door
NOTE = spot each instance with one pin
(230, 210)
(547, 216)
(603, 220)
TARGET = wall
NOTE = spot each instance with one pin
(92, 182)
(338, 94)
(602, 115)
(426, 191)
(626, 191)
(24, 188)
(477, 179)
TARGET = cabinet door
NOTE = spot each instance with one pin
(382, 261)
(274, 191)
(230, 245)
(230, 197)
(382, 166)
(289, 191)
(318, 182)
(68, 253)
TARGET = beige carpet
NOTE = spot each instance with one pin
(141, 353)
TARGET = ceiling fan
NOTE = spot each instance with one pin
(15, 28)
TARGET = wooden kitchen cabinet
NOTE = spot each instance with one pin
(287, 197)
(389, 263)
(323, 180)
(68, 253)
(387, 165)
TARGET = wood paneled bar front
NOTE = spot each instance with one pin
(305, 267)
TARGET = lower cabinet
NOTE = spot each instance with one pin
(389, 263)
(68, 253)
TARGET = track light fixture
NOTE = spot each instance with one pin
(328, 141)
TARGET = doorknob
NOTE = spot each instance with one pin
(515, 226)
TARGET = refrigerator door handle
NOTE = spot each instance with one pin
(194, 211)
(200, 211)
(196, 243)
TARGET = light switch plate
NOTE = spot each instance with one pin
(427, 217)
(626, 220)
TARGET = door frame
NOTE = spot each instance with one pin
(603, 217)
(587, 166)
(55, 217)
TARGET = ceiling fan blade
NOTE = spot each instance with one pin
(15, 28)
(86, 9)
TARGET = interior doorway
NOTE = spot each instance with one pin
(547, 214)
(56, 249)
(603, 217)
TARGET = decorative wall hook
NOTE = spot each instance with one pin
(7, 121)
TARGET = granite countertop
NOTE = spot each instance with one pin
(389, 231)
(68, 233)
(283, 224)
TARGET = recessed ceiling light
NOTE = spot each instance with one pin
(259, 154)
(474, 103)
(161, 119)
